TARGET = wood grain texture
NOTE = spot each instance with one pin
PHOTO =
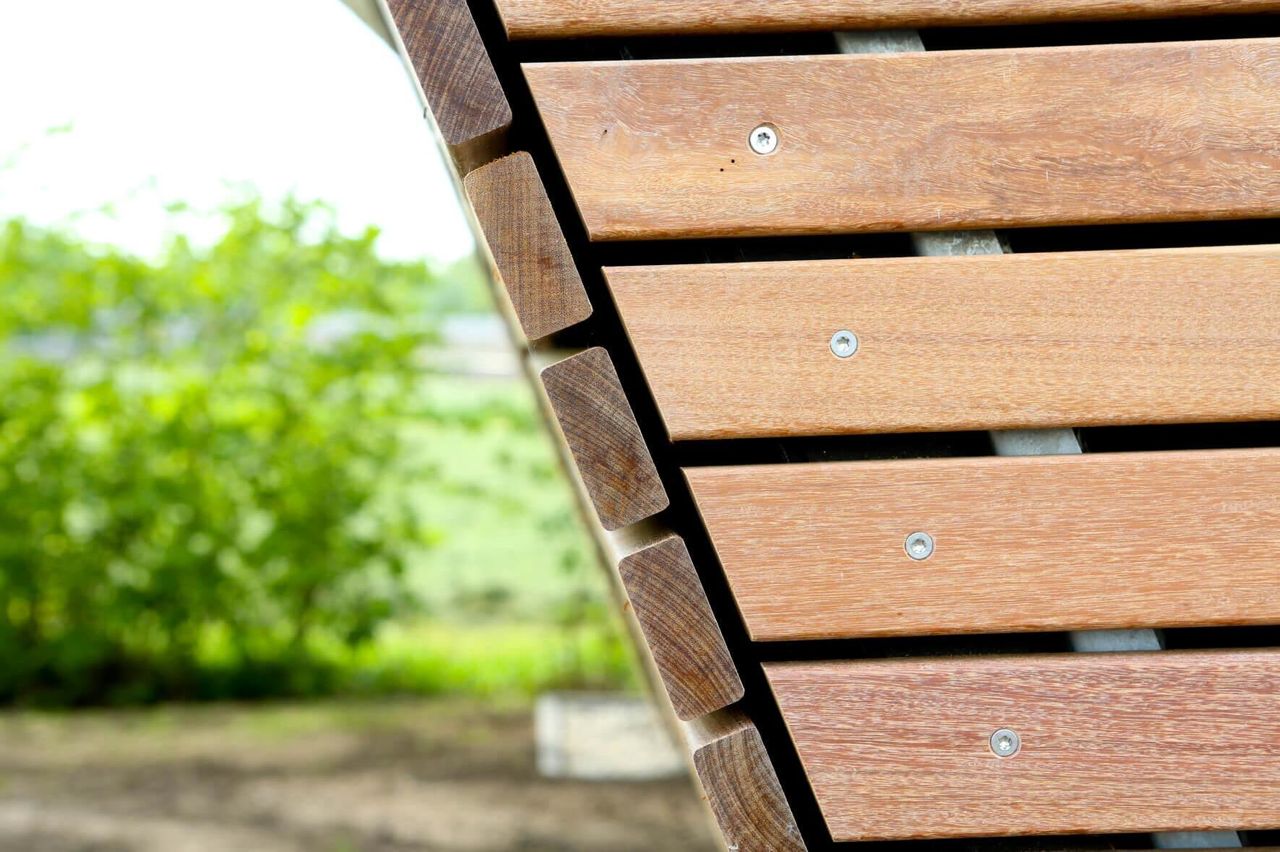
(527, 245)
(604, 439)
(1119, 540)
(457, 77)
(742, 788)
(1110, 743)
(682, 634)
(953, 343)
(1114, 133)
(530, 19)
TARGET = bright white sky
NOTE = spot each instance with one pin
(186, 100)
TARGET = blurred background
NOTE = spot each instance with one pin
(286, 558)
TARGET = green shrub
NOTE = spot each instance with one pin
(206, 444)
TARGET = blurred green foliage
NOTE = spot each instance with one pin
(203, 441)
(514, 577)
(220, 477)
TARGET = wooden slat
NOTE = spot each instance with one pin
(1035, 543)
(527, 19)
(456, 75)
(527, 245)
(742, 788)
(1110, 743)
(1117, 133)
(952, 343)
(681, 631)
(604, 439)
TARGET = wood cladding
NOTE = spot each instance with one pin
(1109, 742)
(1093, 134)
(527, 245)
(604, 439)
(526, 19)
(817, 551)
(928, 142)
(682, 634)
(456, 75)
(743, 790)
(956, 343)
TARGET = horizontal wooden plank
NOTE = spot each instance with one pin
(604, 438)
(815, 551)
(1114, 133)
(456, 76)
(1109, 743)
(953, 343)
(528, 19)
(681, 631)
(742, 788)
(527, 245)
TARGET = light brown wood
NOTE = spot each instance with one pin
(527, 245)
(456, 75)
(681, 631)
(816, 551)
(527, 19)
(1110, 743)
(1117, 133)
(604, 439)
(954, 343)
(741, 786)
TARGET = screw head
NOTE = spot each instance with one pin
(844, 344)
(919, 546)
(764, 139)
(1005, 743)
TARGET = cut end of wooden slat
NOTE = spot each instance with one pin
(742, 788)
(680, 629)
(528, 246)
(457, 77)
(604, 438)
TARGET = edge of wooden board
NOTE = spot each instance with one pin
(527, 245)
(547, 19)
(1036, 340)
(742, 787)
(1086, 134)
(680, 629)
(901, 749)
(1019, 544)
(598, 425)
(456, 76)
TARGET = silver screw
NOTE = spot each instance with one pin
(1005, 743)
(844, 344)
(764, 139)
(919, 546)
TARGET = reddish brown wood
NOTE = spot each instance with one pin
(603, 437)
(1113, 133)
(680, 629)
(742, 788)
(816, 551)
(1110, 743)
(457, 77)
(583, 18)
(954, 343)
(527, 245)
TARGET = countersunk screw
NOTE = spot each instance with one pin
(844, 344)
(1005, 743)
(764, 139)
(919, 546)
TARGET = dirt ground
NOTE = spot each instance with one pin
(329, 777)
